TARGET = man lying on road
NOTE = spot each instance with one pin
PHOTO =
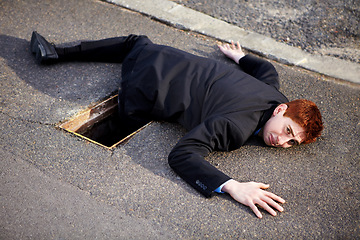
(220, 105)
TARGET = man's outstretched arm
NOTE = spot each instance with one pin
(187, 160)
(254, 66)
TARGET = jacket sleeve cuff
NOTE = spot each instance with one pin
(218, 190)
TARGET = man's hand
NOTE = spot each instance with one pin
(252, 194)
(232, 51)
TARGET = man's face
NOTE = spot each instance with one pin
(280, 131)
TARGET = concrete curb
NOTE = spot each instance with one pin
(188, 19)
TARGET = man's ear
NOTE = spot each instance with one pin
(281, 108)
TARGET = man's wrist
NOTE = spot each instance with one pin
(237, 58)
(227, 186)
(219, 189)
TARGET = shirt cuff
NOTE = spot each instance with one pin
(218, 190)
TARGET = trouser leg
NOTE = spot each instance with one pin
(113, 50)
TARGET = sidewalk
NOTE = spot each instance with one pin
(188, 19)
(57, 186)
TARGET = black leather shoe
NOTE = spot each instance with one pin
(44, 51)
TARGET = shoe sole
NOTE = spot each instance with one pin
(34, 42)
(39, 50)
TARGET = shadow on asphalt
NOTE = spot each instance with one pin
(76, 81)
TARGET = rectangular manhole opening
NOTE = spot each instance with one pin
(100, 125)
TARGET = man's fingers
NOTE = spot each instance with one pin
(255, 210)
(224, 47)
(275, 197)
(269, 194)
(266, 207)
(232, 45)
(263, 186)
(238, 45)
(273, 204)
(267, 202)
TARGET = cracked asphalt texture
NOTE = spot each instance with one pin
(57, 186)
(325, 27)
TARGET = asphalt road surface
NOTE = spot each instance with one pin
(328, 27)
(57, 186)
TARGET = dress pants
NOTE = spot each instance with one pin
(111, 50)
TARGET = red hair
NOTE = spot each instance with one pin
(307, 115)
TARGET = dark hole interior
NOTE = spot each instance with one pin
(108, 131)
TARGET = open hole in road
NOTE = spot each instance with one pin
(100, 125)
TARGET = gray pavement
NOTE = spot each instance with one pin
(57, 186)
(321, 27)
(188, 19)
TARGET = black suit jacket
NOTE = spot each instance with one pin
(221, 105)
